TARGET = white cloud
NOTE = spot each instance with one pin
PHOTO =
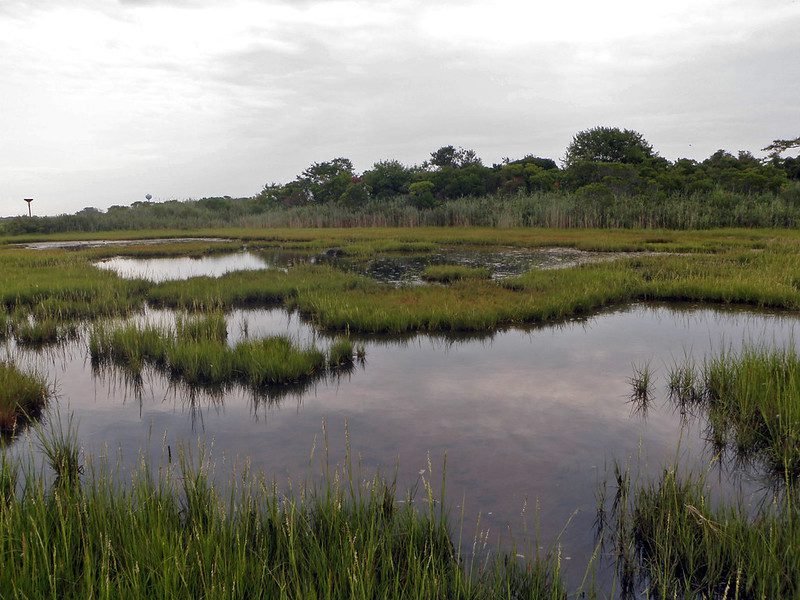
(102, 100)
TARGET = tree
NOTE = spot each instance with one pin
(388, 178)
(609, 145)
(456, 158)
(778, 146)
(327, 181)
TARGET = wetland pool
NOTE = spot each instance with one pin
(524, 416)
(395, 269)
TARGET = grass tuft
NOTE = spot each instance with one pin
(22, 397)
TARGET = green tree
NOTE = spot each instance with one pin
(327, 181)
(608, 145)
(452, 157)
(421, 194)
(388, 178)
(779, 146)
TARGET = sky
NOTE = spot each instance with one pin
(105, 101)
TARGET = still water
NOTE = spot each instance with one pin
(538, 415)
(175, 268)
(394, 269)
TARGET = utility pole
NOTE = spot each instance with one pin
(29, 200)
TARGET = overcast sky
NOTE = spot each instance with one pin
(104, 101)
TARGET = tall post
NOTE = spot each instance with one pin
(29, 200)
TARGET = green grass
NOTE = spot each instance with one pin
(170, 532)
(674, 541)
(201, 327)
(752, 399)
(195, 355)
(753, 267)
(41, 332)
(22, 397)
(451, 273)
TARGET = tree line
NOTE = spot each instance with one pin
(603, 161)
(605, 170)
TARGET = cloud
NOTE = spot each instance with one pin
(203, 97)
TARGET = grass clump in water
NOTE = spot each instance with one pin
(22, 396)
(751, 397)
(203, 359)
(202, 327)
(451, 273)
(672, 540)
(171, 532)
(42, 332)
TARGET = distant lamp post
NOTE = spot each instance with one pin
(29, 200)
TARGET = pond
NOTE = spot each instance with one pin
(395, 269)
(166, 269)
(532, 416)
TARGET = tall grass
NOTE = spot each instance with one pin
(752, 399)
(172, 533)
(562, 209)
(22, 396)
(672, 541)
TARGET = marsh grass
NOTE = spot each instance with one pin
(451, 273)
(751, 399)
(194, 354)
(170, 531)
(22, 397)
(201, 327)
(341, 353)
(641, 383)
(42, 332)
(749, 267)
(674, 541)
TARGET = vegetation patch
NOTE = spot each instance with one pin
(177, 534)
(671, 540)
(196, 354)
(22, 397)
(42, 332)
(751, 399)
(451, 273)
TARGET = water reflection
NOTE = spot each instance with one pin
(179, 268)
(536, 415)
(397, 269)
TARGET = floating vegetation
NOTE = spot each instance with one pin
(196, 354)
(22, 397)
(451, 273)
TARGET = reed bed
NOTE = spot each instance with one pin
(171, 532)
(23, 395)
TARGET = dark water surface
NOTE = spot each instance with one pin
(538, 415)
